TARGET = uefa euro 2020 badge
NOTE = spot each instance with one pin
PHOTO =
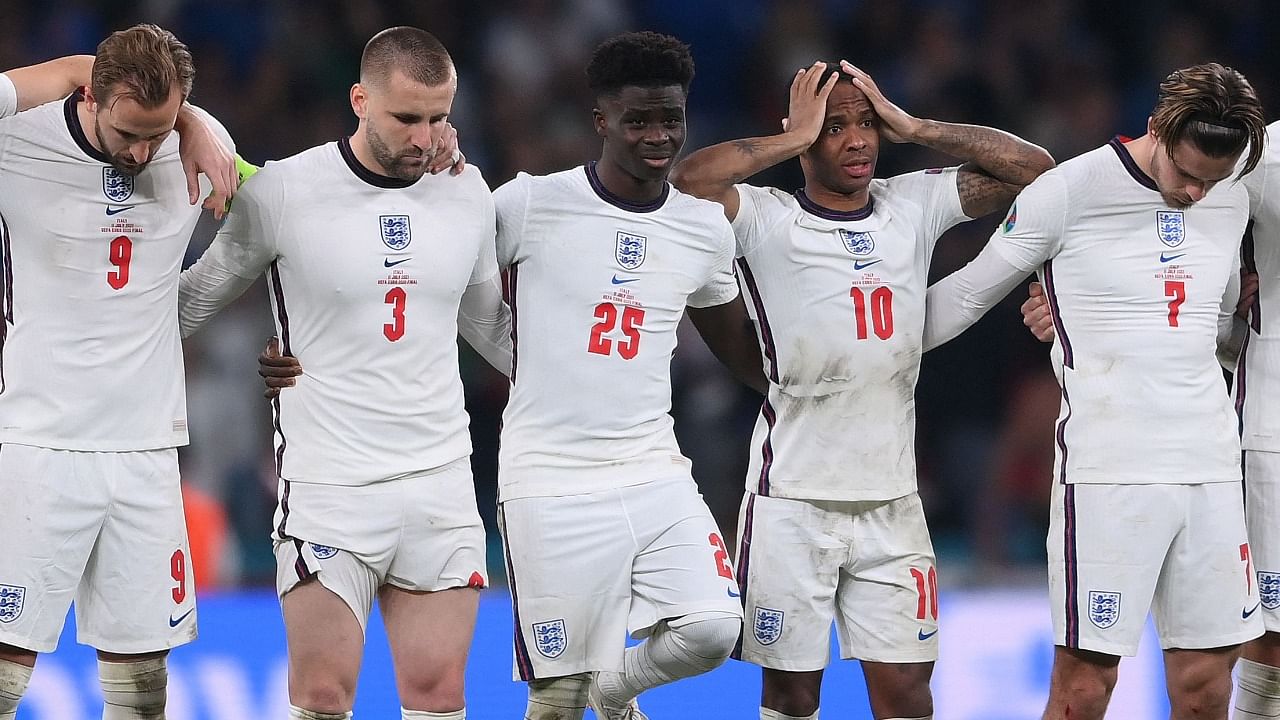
(630, 250)
(1104, 608)
(1169, 227)
(767, 626)
(117, 186)
(11, 597)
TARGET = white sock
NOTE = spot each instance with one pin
(681, 648)
(406, 714)
(297, 713)
(133, 690)
(771, 714)
(562, 698)
(1257, 691)
(13, 683)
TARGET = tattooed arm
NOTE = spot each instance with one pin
(711, 173)
(997, 164)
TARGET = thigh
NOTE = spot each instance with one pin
(788, 567)
(442, 543)
(340, 572)
(569, 571)
(1106, 547)
(429, 632)
(682, 565)
(1262, 517)
(138, 592)
(1207, 597)
(325, 645)
(54, 505)
(888, 593)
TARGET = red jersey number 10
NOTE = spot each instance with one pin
(878, 305)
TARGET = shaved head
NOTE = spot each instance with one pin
(416, 53)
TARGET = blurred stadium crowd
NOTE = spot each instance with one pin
(1066, 74)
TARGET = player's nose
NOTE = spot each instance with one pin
(140, 152)
(1196, 192)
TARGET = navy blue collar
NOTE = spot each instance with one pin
(77, 131)
(362, 172)
(1126, 159)
(603, 192)
(814, 208)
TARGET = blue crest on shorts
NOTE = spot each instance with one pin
(395, 231)
(1169, 227)
(323, 552)
(767, 626)
(1269, 589)
(1104, 608)
(550, 638)
(11, 597)
(117, 186)
(630, 250)
(857, 243)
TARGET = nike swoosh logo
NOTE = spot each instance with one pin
(1244, 614)
(387, 262)
(861, 265)
(178, 621)
(1170, 258)
(623, 281)
(118, 210)
(924, 635)
(732, 594)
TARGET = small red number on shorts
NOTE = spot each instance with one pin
(607, 314)
(178, 568)
(120, 254)
(721, 556)
(927, 592)
(396, 298)
(1248, 567)
(881, 312)
(1177, 290)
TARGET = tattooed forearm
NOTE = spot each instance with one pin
(1006, 157)
(749, 147)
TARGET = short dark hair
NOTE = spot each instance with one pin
(1212, 107)
(145, 62)
(639, 59)
(416, 53)
(833, 68)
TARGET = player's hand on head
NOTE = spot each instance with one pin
(896, 125)
(1248, 293)
(808, 105)
(1035, 313)
(202, 151)
(446, 155)
(277, 371)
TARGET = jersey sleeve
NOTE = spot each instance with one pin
(241, 251)
(722, 286)
(1032, 231)
(487, 261)
(8, 96)
(749, 225)
(511, 205)
(938, 195)
(1256, 183)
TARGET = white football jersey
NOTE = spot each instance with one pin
(365, 278)
(1257, 381)
(597, 287)
(8, 97)
(90, 356)
(838, 302)
(1136, 289)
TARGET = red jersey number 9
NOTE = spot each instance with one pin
(120, 254)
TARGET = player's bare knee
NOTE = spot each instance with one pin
(708, 636)
(792, 694)
(900, 689)
(321, 695)
(440, 690)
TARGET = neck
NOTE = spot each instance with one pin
(360, 148)
(86, 120)
(840, 202)
(627, 186)
(1142, 149)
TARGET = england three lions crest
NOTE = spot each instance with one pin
(1269, 589)
(395, 231)
(1104, 608)
(11, 597)
(630, 250)
(550, 638)
(857, 243)
(767, 626)
(1169, 227)
(117, 186)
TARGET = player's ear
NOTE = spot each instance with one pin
(1150, 127)
(599, 121)
(90, 102)
(359, 101)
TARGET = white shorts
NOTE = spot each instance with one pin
(419, 532)
(105, 529)
(867, 566)
(1180, 551)
(586, 569)
(1262, 515)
